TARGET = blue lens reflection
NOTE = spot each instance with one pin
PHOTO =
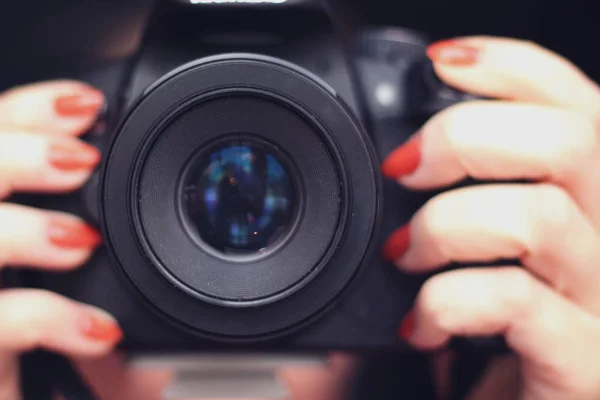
(240, 198)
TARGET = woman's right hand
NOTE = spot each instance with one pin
(40, 152)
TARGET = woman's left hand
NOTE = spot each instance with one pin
(544, 128)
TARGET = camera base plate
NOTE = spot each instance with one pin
(226, 376)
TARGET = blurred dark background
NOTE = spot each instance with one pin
(43, 39)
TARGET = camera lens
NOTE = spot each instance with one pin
(239, 197)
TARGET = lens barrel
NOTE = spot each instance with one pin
(240, 197)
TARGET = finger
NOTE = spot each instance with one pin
(516, 70)
(30, 162)
(503, 141)
(320, 383)
(31, 318)
(9, 377)
(499, 140)
(500, 380)
(538, 224)
(112, 378)
(50, 240)
(551, 335)
(441, 369)
(61, 107)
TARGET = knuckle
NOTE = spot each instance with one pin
(435, 214)
(431, 216)
(26, 325)
(27, 321)
(432, 303)
(452, 119)
(431, 225)
(460, 126)
(553, 213)
(580, 147)
(568, 378)
(7, 229)
(577, 372)
(520, 292)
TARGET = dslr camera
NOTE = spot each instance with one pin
(240, 196)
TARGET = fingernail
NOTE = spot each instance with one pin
(72, 234)
(86, 103)
(73, 155)
(407, 326)
(397, 244)
(99, 325)
(404, 160)
(453, 52)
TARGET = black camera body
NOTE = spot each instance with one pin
(240, 197)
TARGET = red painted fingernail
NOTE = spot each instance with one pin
(86, 103)
(453, 52)
(404, 160)
(73, 155)
(397, 244)
(72, 234)
(98, 325)
(407, 326)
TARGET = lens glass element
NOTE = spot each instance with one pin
(239, 196)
